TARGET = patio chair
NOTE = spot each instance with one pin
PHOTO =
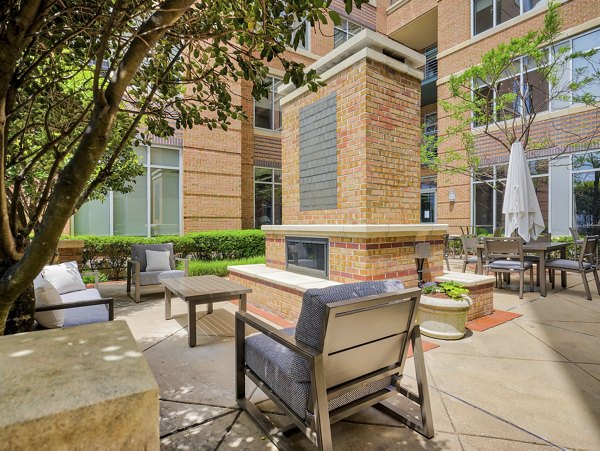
(71, 306)
(505, 256)
(447, 250)
(469, 245)
(347, 353)
(146, 282)
(588, 252)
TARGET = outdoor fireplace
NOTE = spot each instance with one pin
(307, 256)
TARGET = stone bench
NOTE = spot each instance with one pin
(85, 387)
(481, 290)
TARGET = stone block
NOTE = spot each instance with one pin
(85, 387)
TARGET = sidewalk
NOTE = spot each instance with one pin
(532, 382)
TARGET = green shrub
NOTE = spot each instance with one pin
(219, 267)
(110, 253)
(91, 279)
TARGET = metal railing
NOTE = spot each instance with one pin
(431, 63)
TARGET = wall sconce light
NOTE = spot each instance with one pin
(422, 252)
(452, 196)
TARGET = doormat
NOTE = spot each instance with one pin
(493, 320)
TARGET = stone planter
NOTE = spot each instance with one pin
(442, 317)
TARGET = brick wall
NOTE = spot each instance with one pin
(378, 136)
(353, 259)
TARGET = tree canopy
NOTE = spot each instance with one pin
(79, 80)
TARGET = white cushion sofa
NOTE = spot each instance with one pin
(63, 300)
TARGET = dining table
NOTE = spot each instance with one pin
(539, 249)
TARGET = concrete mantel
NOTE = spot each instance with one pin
(360, 230)
(366, 44)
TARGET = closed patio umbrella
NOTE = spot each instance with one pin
(521, 208)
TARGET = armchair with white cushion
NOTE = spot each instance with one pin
(149, 264)
(63, 300)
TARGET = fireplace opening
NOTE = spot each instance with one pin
(308, 256)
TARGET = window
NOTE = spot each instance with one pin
(586, 192)
(306, 44)
(431, 63)
(488, 194)
(489, 13)
(430, 131)
(267, 111)
(345, 31)
(152, 208)
(428, 188)
(267, 196)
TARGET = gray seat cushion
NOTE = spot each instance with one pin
(572, 265)
(78, 316)
(275, 365)
(154, 277)
(312, 315)
(138, 253)
(471, 259)
(513, 265)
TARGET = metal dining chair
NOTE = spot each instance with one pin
(505, 256)
(586, 262)
(577, 241)
(469, 248)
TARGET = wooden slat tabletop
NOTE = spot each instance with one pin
(200, 288)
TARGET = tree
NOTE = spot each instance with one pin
(502, 95)
(79, 79)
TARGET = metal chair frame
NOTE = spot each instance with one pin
(345, 364)
(469, 249)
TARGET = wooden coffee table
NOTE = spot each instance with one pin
(202, 290)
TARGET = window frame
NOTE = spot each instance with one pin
(495, 15)
(274, 100)
(345, 31)
(272, 183)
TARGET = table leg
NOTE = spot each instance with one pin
(243, 302)
(479, 268)
(563, 274)
(191, 324)
(542, 270)
(209, 308)
(167, 303)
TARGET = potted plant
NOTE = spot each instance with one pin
(443, 310)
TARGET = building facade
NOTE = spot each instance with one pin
(206, 180)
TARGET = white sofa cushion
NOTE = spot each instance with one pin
(158, 260)
(47, 294)
(65, 277)
(90, 294)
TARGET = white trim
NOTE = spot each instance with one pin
(395, 5)
(366, 53)
(148, 192)
(356, 229)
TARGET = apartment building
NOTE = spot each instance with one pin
(206, 180)
(565, 177)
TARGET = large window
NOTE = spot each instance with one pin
(345, 31)
(267, 196)
(488, 194)
(430, 131)
(267, 111)
(151, 208)
(586, 192)
(490, 13)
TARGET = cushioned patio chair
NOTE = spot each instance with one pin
(147, 282)
(585, 263)
(73, 308)
(505, 256)
(347, 353)
(577, 241)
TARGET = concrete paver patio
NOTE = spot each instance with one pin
(532, 382)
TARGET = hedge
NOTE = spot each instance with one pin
(110, 253)
(219, 267)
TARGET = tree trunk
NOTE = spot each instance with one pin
(20, 315)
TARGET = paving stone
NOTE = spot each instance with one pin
(207, 436)
(495, 444)
(177, 415)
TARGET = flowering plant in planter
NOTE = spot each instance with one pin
(452, 290)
